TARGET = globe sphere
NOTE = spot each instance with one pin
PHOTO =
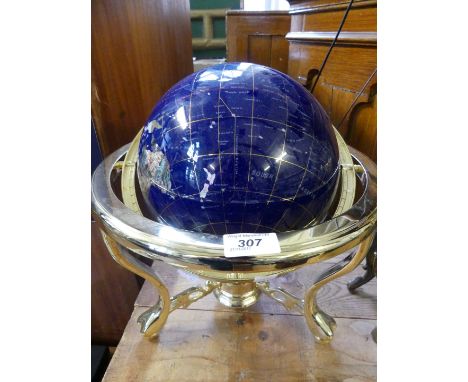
(238, 147)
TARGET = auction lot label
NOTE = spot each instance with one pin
(250, 244)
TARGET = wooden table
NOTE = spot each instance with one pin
(209, 342)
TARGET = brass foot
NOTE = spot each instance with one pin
(153, 319)
(321, 324)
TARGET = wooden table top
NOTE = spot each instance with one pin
(210, 342)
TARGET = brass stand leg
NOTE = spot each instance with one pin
(153, 319)
(370, 267)
(321, 324)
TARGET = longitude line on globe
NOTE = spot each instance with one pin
(282, 150)
(251, 142)
(190, 137)
(235, 132)
(219, 150)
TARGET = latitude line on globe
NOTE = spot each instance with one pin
(254, 224)
(313, 220)
(250, 192)
(253, 154)
(190, 215)
(281, 198)
(299, 129)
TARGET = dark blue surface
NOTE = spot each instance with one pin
(238, 147)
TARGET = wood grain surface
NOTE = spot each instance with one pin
(258, 37)
(139, 50)
(334, 297)
(209, 342)
(347, 87)
(113, 293)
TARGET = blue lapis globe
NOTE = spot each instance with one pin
(238, 147)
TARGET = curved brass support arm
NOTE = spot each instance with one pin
(321, 324)
(155, 317)
(190, 295)
(289, 301)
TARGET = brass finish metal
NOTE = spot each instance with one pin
(190, 295)
(153, 319)
(233, 280)
(289, 301)
(238, 294)
(319, 322)
(348, 177)
(128, 175)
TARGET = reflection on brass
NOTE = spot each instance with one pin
(289, 301)
(190, 295)
(320, 323)
(128, 175)
(238, 294)
(153, 319)
(236, 282)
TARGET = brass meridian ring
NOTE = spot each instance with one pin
(204, 252)
(348, 176)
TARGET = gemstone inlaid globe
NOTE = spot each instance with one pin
(238, 147)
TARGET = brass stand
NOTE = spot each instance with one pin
(236, 282)
(237, 294)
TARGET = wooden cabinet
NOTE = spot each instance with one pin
(139, 50)
(258, 37)
(113, 293)
(347, 87)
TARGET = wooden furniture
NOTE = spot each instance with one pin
(113, 292)
(139, 50)
(258, 37)
(347, 87)
(209, 342)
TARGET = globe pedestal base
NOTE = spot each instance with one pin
(237, 295)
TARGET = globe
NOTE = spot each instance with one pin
(238, 147)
